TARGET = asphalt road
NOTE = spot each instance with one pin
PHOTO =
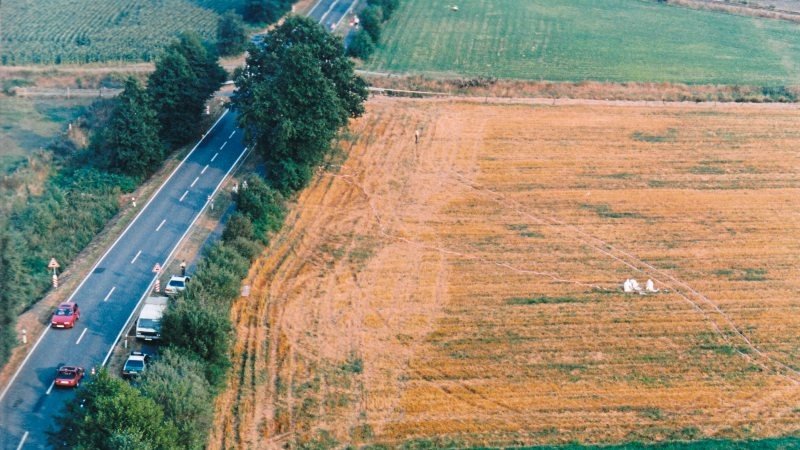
(114, 289)
(331, 12)
(110, 294)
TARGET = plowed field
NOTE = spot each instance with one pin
(469, 287)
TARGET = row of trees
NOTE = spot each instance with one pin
(167, 114)
(371, 20)
(293, 96)
(172, 406)
(129, 142)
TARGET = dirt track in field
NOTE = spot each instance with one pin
(468, 287)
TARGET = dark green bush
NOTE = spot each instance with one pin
(361, 46)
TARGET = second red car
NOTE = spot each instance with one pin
(69, 376)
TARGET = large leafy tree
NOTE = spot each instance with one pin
(129, 144)
(109, 413)
(294, 94)
(231, 35)
(186, 76)
(177, 383)
(371, 18)
(266, 11)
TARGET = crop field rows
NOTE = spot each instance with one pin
(568, 40)
(74, 31)
(469, 287)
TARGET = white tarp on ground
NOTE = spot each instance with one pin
(631, 285)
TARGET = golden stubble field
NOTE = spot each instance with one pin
(469, 287)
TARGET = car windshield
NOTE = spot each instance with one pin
(150, 323)
(67, 374)
(63, 312)
(134, 364)
(176, 283)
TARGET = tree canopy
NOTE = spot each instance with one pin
(111, 414)
(293, 95)
(265, 11)
(231, 35)
(129, 144)
(186, 76)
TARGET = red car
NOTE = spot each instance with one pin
(66, 315)
(68, 376)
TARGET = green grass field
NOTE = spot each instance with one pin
(574, 40)
(78, 31)
(28, 125)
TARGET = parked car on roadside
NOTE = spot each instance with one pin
(66, 315)
(69, 376)
(176, 284)
(135, 365)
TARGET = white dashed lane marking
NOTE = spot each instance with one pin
(81, 336)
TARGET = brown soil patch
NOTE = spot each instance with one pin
(469, 287)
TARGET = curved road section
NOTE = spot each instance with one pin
(112, 291)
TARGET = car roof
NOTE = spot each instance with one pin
(176, 277)
(136, 357)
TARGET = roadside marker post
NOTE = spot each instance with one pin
(53, 264)
(156, 270)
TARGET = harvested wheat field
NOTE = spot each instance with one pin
(468, 289)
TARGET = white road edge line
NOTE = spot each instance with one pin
(109, 294)
(161, 224)
(81, 336)
(330, 8)
(189, 228)
(50, 388)
(204, 169)
(137, 255)
(182, 196)
(214, 157)
(353, 4)
(195, 181)
(224, 144)
(91, 271)
(314, 7)
(232, 133)
(22, 442)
